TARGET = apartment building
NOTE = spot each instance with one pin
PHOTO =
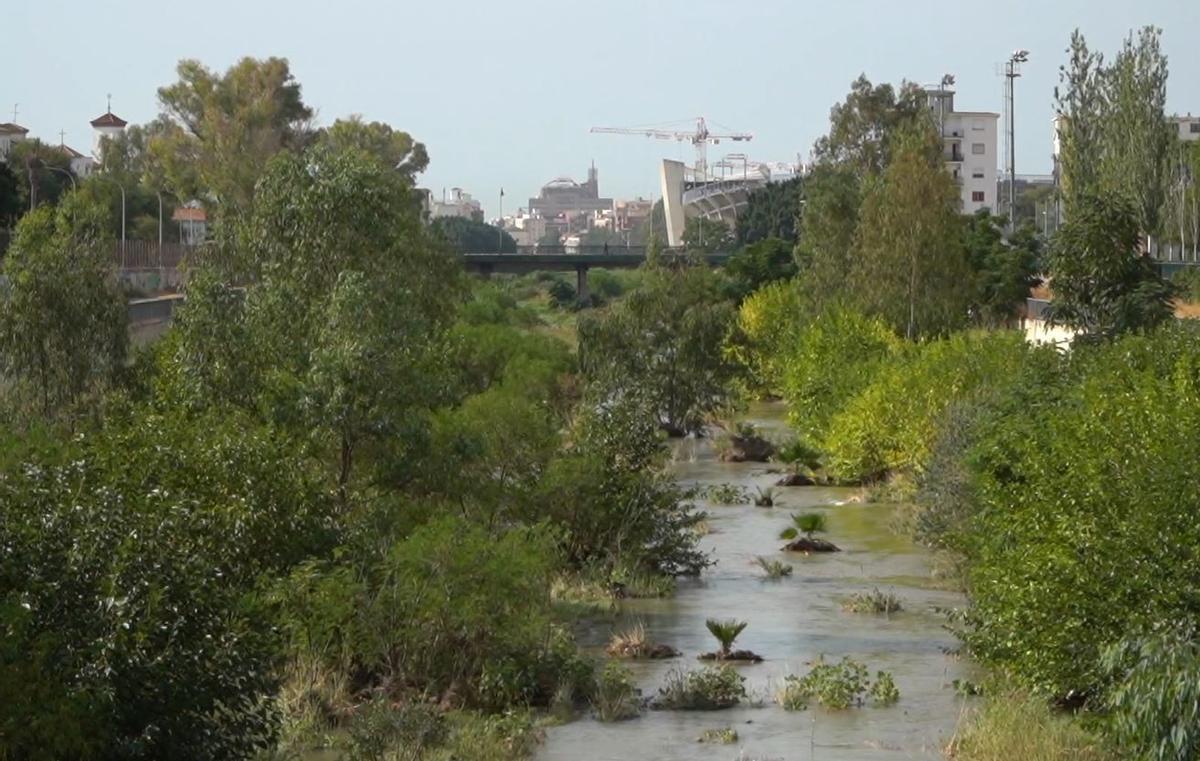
(969, 140)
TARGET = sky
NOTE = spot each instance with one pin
(503, 92)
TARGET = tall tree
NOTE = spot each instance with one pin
(394, 148)
(664, 343)
(469, 236)
(772, 211)
(1103, 286)
(832, 197)
(910, 267)
(1080, 98)
(63, 331)
(225, 128)
(861, 127)
(704, 235)
(1004, 270)
(1137, 135)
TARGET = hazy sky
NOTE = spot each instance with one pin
(503, 91)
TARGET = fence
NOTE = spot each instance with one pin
(149, 255)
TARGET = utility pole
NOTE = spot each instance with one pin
(500, 237)
(1012, 70)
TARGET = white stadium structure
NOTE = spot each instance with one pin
(686, 193)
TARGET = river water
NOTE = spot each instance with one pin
(791, 622)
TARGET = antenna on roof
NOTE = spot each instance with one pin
(62, 137)
(110, 103)
(15, 112)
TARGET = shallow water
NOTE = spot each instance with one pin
(791, 622)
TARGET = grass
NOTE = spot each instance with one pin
(1014, 725)
(725, 494)
(774, 569)
(806, 523)
(725, 632)
(872, 602)
(764, 497)
(722, 736)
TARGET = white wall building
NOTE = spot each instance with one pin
(458, 204)
(81, 165)
(106, 126)
(10, 133)
(969, 140)
(1189, 127)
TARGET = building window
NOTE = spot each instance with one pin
(1195, 128)
(977, 174)
(978, 149)
(978, 125)
(977, 196)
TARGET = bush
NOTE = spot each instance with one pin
(831, 359)
(130, 625)
(872, 602)
(616, 698)
(891, 425)
(723, 736)
(837, 686)
(774, 569)
(705, 689)
(1086, 528)
(1155, 699)
(562, 294)
(767, 323)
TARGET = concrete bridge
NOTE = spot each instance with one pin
(579, 259)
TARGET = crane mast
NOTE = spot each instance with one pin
(700, 137)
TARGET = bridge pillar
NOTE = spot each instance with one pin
(581, 283)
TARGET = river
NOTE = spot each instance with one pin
(791, 622)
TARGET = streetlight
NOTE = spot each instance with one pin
(1012, 70)
(69, 176)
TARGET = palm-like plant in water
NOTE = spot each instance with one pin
(808, 523)
(726, 632)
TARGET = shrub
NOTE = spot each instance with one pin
(764, 497)
(1086, 530)
(774, 569)
(705, 689)
(837, 686)
(725, 494)
(562, 294)
(872, 602)
(722, 736)
(616, 698)
(830, 361)
(1155, 698)
(128, 606)
(767, 322)
(891, 425)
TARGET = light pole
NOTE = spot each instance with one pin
(69, 176)
(1012, 70)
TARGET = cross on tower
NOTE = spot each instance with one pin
(110, 103)
(15, 112)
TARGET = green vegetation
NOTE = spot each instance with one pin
(722, 736)
(804, 523)
(837, 686)
(706, 689)
(1016, 725)
(874, 601)
(725, 632)
(664, 343)
(616, 697)
(774, 569)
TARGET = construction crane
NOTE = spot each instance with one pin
(699, 137)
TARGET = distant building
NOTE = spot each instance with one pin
(193, 223)
(81, 165)
(1189, 127)
(10, 133)
(632, 214)
(108, 126)
(459, 204)
(968, 148)
(566, 198)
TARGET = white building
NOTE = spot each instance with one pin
(81, 165)
(1189, 127)
(105, 126)
(10, 133)
(458, 204)
(969, 140)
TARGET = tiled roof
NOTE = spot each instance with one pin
(189, 214)
(70, 151)
(109, 120)
(8, 128)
